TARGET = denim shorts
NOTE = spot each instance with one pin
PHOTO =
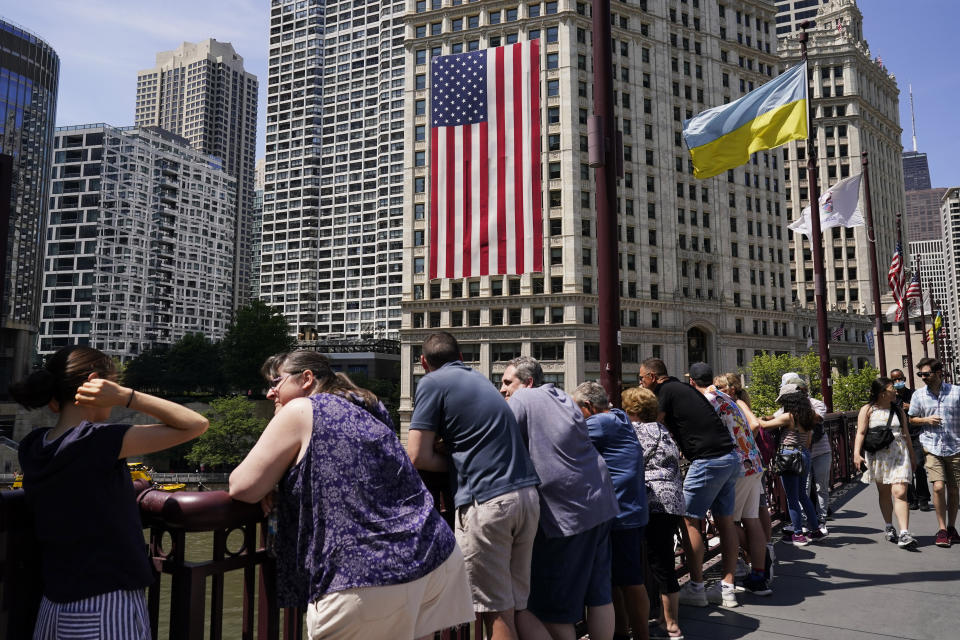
(710, 483)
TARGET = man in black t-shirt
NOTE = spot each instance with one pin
(709, 483)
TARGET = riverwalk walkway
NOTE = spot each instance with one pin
(852, 585)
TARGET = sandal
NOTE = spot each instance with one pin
(659, 632)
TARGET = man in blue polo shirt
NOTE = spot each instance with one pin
(936, 409)
(493, 479)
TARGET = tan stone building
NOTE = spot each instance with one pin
(703, 263)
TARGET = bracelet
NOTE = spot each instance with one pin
(130, 399)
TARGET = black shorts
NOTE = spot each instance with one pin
(627, 547)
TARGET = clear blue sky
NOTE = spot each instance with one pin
(103, 43)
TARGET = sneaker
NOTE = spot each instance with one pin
(800, 540)
(943, 539)
(723, 595)
(823, 529)
(757, 586)
(954, 536)
(692, 597)
(742, 569)
(816, 534)
(925, 506)
(890, 533)
(907, 541)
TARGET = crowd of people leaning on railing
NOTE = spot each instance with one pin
(562, 503)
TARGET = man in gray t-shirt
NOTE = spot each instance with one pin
(571, 554)
(492, 475)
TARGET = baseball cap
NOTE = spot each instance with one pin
(786, 389)
(792, 377)
(701, 373)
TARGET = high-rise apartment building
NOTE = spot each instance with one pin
(855, 110)
(200, 91)
(703, 263)
(333, 190)
(29, 74)
(933, 272)
(140, 247)
(257, 229)
(921, 216)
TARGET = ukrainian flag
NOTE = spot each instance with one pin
(723, 137)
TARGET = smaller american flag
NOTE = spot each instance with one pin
(837, 333)
(912, 293)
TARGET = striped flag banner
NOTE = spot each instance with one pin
(912, 293)
(485, 195)
(837, 334)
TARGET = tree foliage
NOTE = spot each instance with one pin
(257, 332)
(193, 365)
(148, 371)
(387, 390)
(234, 429)
(850, 392)
(765, 372)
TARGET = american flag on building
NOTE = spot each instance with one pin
(485, 195)
(837, 334)
(895, 278)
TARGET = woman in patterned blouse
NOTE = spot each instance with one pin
(358, 543)
(661, 472)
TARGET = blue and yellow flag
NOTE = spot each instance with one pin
(723, 137)
(938, 321)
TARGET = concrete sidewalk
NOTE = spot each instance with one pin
(852, 585)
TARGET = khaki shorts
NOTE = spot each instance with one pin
(497, 541)
(944, 469)
(746, 502)
(436, 601)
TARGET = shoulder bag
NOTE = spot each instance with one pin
(876, 439)
(787, 464)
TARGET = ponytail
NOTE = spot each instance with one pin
(59, 379)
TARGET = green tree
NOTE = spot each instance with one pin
(148, 371)
(387, 390)
(257, 332)
(765, 372)
(234, 429)
(193, 365)
(851, 391)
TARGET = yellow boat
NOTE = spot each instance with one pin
(172, 486)
(17, 481)
(139, 471)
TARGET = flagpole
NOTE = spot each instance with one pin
(605, 180)
(816, 239)
(874, 274)
(923, 313)
(905, 306)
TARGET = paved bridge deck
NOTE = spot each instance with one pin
(852, 585)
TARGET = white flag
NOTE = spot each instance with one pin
(839, 207)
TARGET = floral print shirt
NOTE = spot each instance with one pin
(661, 469)
(353, 512)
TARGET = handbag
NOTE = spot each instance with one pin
(787, 464)
(876, 439)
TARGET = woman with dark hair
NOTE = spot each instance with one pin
(796, 429)
(358, 544)
(93, 562)
(891, 467)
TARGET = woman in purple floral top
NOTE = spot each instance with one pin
(359, 544)
(664, 481)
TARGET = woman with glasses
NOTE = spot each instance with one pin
(891, 467)
(358, 543)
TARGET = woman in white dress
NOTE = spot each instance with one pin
(891, 467)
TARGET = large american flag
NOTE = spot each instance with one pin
(485, 196)
(895, 278)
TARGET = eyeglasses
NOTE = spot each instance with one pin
(279, 380)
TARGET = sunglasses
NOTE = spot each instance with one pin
(925, 374)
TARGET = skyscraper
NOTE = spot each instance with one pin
(140, 244)
(29, 73)
(950, 214)
(201, 92)
(916, 171)
(333, 189)
(703, 272)
(855, 110)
